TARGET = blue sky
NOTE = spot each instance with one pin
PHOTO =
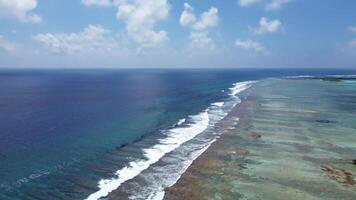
(167, 33)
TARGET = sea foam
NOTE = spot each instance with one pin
(241, 86)
(181, 121)
(175, 137)
(218, 104)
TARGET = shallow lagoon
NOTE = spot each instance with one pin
(64, 131)
(296, 139)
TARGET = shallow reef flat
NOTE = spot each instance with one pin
(296, 139)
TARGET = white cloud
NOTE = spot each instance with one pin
(352, 29)
(199, 36)
(187, 17)
(268, 26)
(201, 40)
(98, 2)
(6, 45)
(19, 10)
(276, 5)
(93, 39)
(208, 19)
(140, 18)
(245, 3)
(250, 44)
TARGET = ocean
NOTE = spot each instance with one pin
(295, 139)
(81, 134)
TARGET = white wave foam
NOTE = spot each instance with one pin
(299, 76)
(181, 121)
(159, 195)
(176, 137)
(218, 104)
(343, 76)
(161, 177)
(240, 86)
(333, 76)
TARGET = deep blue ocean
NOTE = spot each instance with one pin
(62, 131)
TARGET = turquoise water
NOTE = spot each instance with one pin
(297, 141)
(64, 131)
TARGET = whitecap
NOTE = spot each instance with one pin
(181, 121)
(240, 86)
(218, 104)
(176, 137)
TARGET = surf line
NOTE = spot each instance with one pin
(175, 138)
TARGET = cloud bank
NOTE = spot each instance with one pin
(20, 10)
(249, 44)
(140, 18)
(268, 26)
(93, 39)
(199, 36)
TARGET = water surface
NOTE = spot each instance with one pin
(62, 131)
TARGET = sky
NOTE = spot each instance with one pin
(178, 34)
